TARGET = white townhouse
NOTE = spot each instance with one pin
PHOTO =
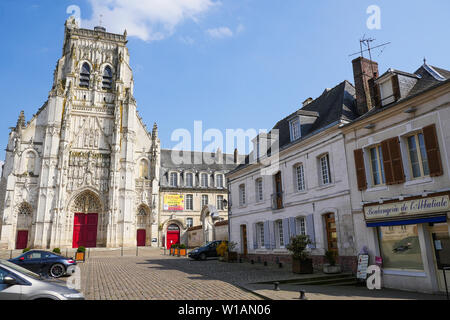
(308, 194)
(398, 161)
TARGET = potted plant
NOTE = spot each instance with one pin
(301, 260)
(331, 267)
(176, 249)
(80, 255)
(232, 255)
(222, 249)
(57, 251)
(183, 250)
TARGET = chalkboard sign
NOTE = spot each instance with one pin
(363, 263)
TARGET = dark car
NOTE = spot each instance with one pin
(46, 263)
(207, 251)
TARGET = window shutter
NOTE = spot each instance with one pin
(433, 152)
(392, 161)
(360, 170)
(292, 227)
(271, 235)
(255, 236)
(396, 159)
(266, 235)
(310, 230)
(286, 237)
(396, 88)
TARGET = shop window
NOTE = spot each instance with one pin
(400, 247)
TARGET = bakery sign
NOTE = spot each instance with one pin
(415, 207)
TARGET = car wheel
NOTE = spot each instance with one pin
(203, 256)
(57, 270)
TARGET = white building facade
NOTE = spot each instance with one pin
(76, 174)
(307, 194)
(398, 158)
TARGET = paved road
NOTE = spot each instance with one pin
(159, 277)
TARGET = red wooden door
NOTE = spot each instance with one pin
(22, 239)
(141, 234)
(173, 235)
(85, 230)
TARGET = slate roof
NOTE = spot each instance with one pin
(333, 105)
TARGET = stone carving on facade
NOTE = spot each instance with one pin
(87, 202)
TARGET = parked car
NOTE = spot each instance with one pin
(407, 245)
(46, 263)
(17, 283)
(207, 251)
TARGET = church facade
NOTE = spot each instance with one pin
(84, 171)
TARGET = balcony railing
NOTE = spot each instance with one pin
(277, 201)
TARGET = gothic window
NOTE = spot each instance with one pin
(142, 215)
(143, 169)
(107, 78)
(24, 209)
(30, 160)
(85, 75)
(142, 211)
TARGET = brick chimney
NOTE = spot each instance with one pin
(363, 71)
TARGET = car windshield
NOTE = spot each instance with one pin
(19, 269)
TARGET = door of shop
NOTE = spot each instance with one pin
(22, 239)
(330, 223)
(85, 230)
(441, 244)
(141, 234)
(173, 235)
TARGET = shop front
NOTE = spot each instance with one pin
(411, 241)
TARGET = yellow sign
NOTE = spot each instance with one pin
(173, 202)
(408, 208)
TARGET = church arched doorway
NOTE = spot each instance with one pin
(86, 208)
(173, 235)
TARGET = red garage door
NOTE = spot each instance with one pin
(85, 230)
(22, 239)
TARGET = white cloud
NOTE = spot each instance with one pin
(146, 19)
(222, 32)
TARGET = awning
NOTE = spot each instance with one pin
(407, 222)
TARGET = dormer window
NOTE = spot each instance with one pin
(295, 129)
(107, 78)
(85, 75)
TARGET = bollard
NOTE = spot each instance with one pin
(240, 260)
(276, 286)
(10, 255)
(302, 295)
(265, 263)
(137, 251)
(252, 261)
(280, 265)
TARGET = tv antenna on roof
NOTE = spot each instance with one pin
(366, 42)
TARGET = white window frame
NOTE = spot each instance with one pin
(217, 180)
(419, 156)
(205, 196)
(324, 177)
(242, 195)
(185, 179)
(191, 203)
(170, 179)
(300, 182)
(300, 225)
(382, 174)
(259, 189)
(280, 233)
(295, 128)
(220, 207)
(260, 235)
(201, 179)
(189, 225)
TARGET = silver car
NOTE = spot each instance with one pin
(17, 283)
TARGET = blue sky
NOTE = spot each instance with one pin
(232, 64)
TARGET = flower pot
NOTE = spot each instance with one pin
(176, 252)
(302, 266)
(183, 252)
(171, 251)
(232, 256)
(328, 269)
(80, 256)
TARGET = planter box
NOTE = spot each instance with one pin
(175, 253)
(183, 252)
(232, 256)
(331, 269)
(171, 251)
(80, 256)
(302, 267)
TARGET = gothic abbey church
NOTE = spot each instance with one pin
(84, 171)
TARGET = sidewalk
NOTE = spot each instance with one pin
(321, 292)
